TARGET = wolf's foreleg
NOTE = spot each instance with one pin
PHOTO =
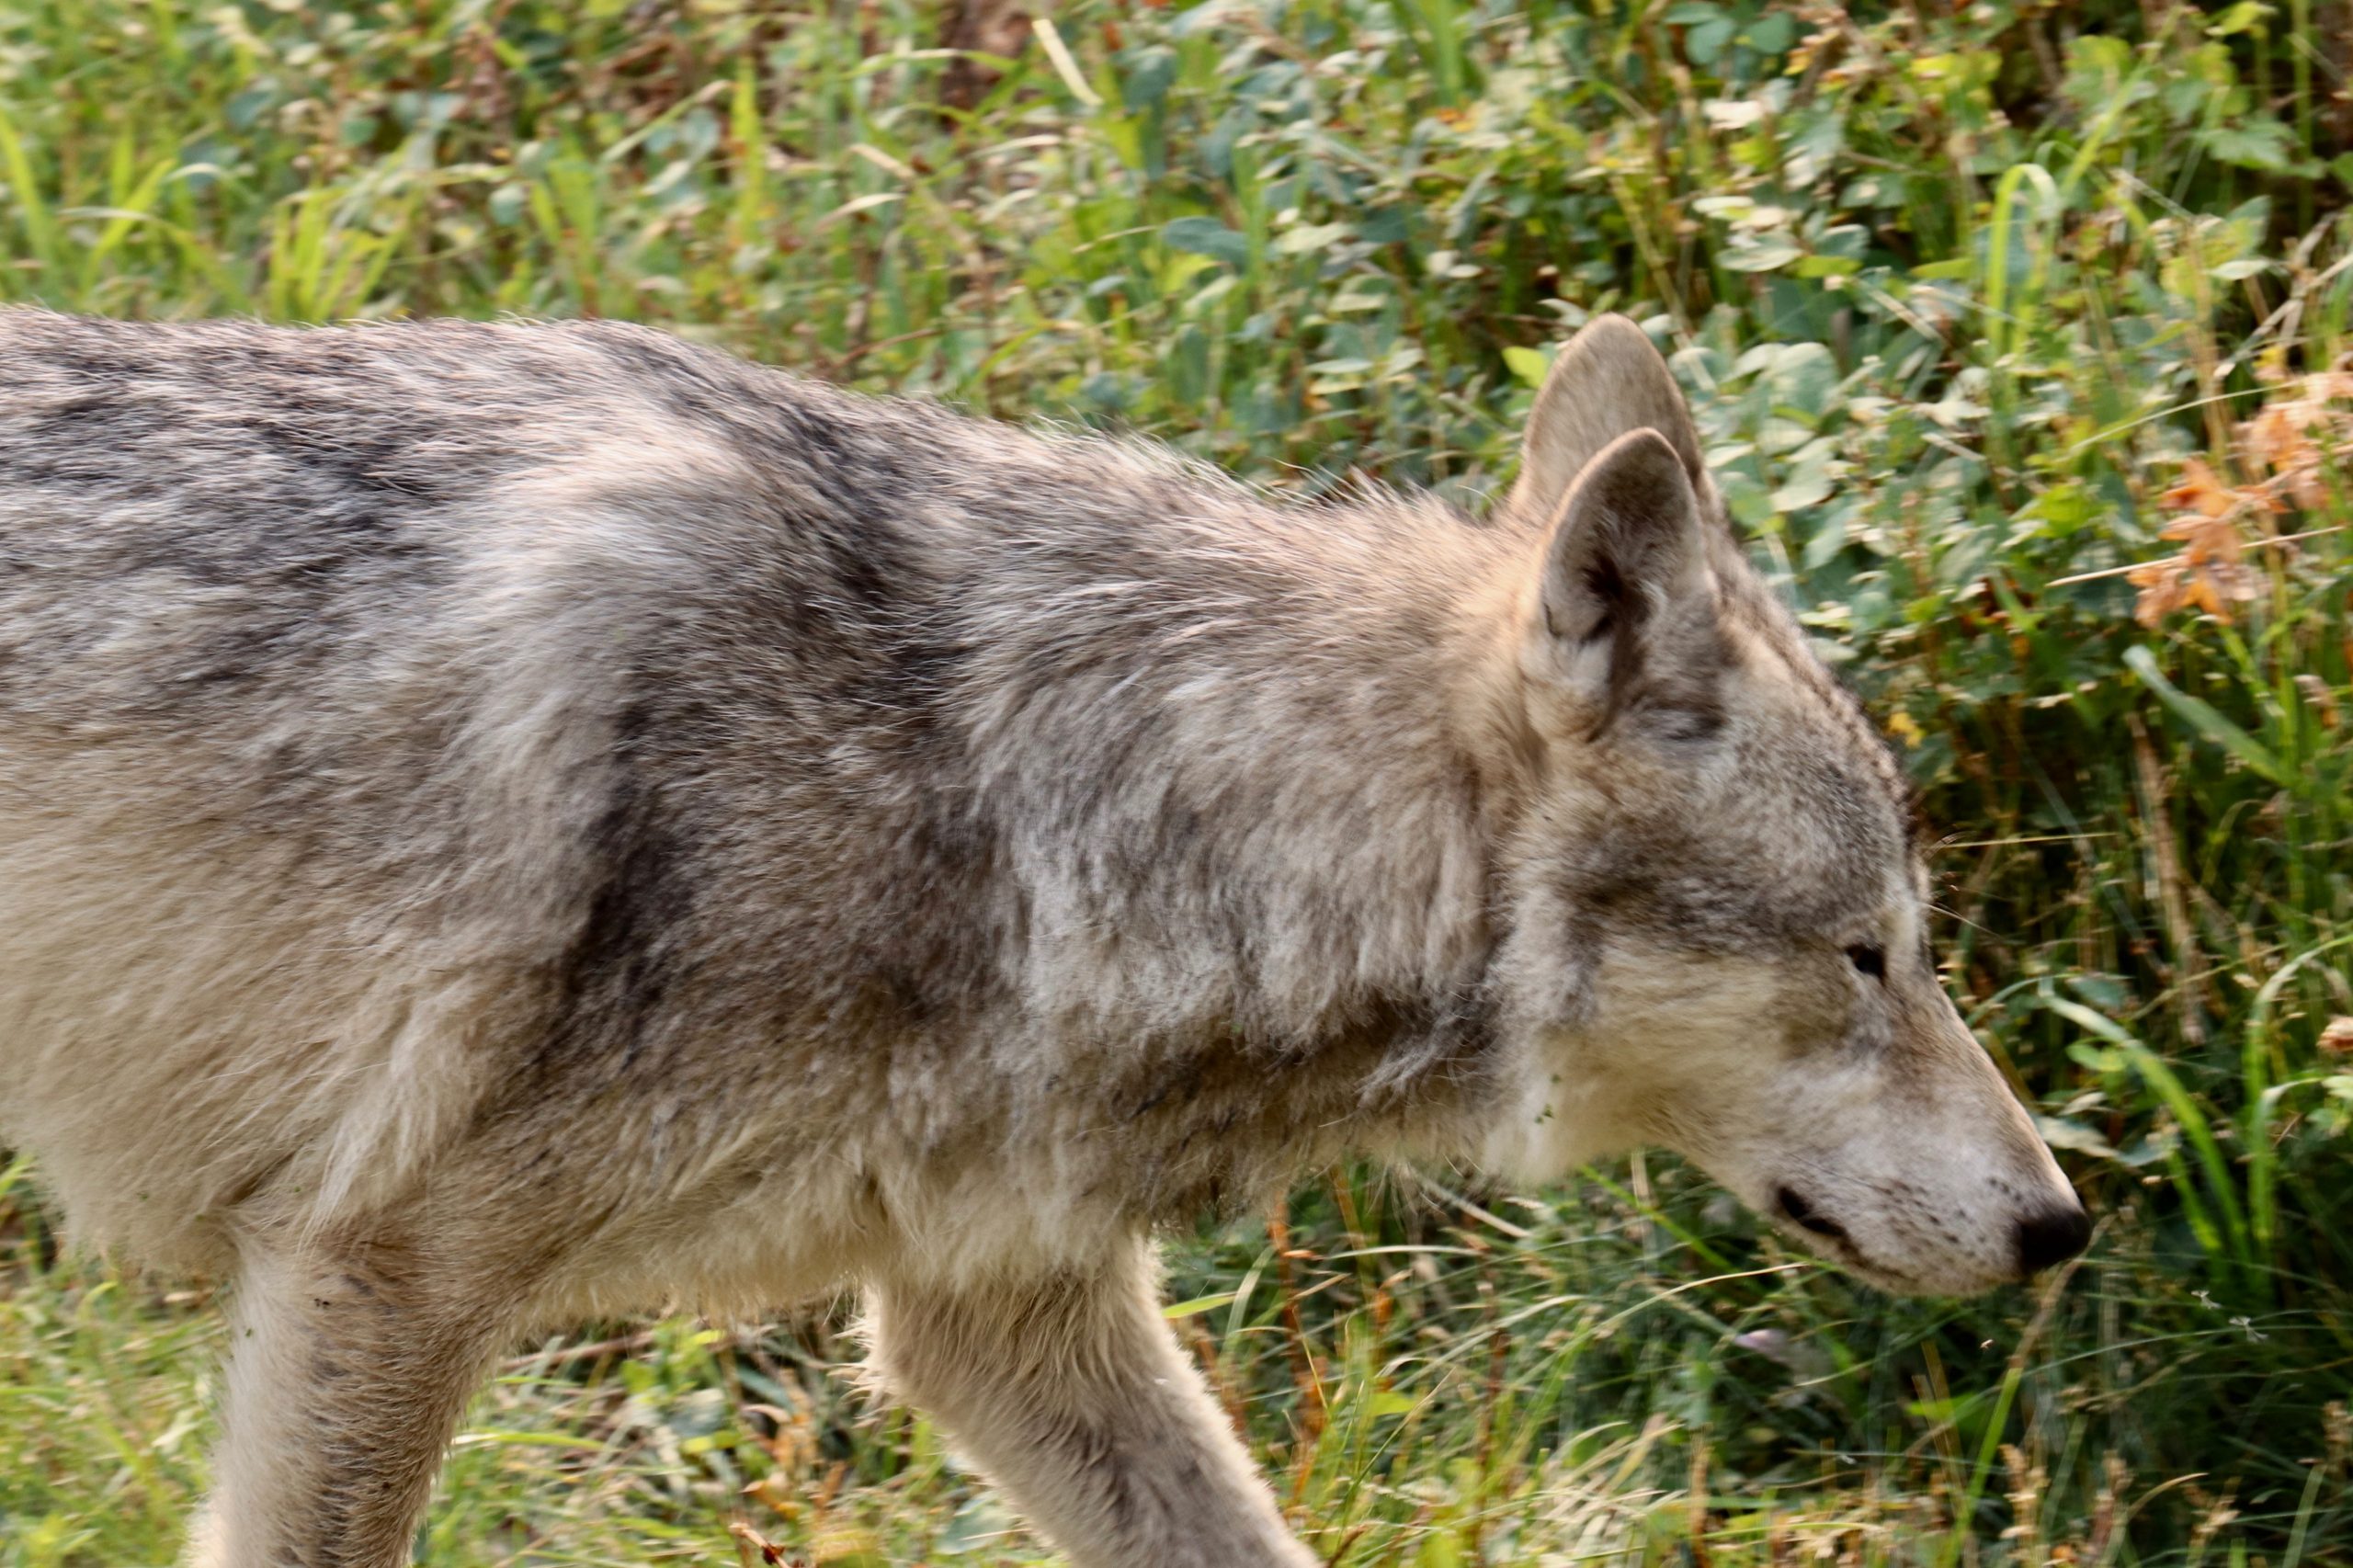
(1072, 1393)
(348, 1369)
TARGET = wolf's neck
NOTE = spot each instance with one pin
(1246, 776)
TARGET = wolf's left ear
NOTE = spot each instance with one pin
(1626, 615)
(1607, 382)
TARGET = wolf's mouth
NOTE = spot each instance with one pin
(1841, 1249)
(1804, 1216)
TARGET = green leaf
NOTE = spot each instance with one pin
(2062, 1133)
(1528, 364)
(2201, 717)
(1206, 236)
(1310, 237)
(2257, 141)
(1768, 254)
(2062, 510)
(1828, 267)
(2247, 16)
(32, 211)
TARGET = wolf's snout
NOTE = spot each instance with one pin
(2048, 1240)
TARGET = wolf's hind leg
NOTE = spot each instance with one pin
(349, 1365)
(1072, 1393)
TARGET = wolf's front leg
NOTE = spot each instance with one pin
(348, 1369)
(1071, 1392)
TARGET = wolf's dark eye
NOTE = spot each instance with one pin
(1870, 961)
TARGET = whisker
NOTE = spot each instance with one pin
(1957, 915)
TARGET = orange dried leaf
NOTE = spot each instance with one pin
(2199, 490)
(2204, 538)
(2279, 436)
(2160, 583)
(2204, 594)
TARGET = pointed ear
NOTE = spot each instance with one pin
(1626, 624)
(1607, 382)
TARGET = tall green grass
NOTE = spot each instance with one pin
(1959, 293)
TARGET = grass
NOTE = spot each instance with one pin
(2004, 321)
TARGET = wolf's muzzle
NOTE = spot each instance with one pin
(2048, 1240)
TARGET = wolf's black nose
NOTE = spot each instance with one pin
(2048, 1240)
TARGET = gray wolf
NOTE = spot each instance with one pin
(503, 823)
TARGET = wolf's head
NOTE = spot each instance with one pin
(1717, 926)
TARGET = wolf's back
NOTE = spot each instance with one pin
(337, 672)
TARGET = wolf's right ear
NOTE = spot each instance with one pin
(1607, 382)
(1626, 623)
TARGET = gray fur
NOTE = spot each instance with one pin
(504, 822)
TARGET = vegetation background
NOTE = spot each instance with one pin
(2015, 332)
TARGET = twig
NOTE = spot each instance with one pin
(2136, 566)
(2157, 824)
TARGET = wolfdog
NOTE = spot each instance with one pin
(506, 822)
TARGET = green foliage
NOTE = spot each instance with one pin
(1959, 291)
